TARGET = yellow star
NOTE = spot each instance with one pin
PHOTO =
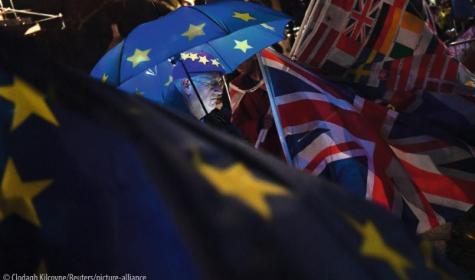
(170, 80)
(185, 56)
(194, 31)
(193, 56)
(203, 59)
(373, 246)
(16, 197)
(27, 101)
(244, 16)
(104, 77)
(138, 57)
(239, 182)
(266, 26)
(242, 45)
(215, 62)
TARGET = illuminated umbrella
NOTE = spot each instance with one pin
(230, 31)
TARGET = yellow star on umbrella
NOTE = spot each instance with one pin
(139, 56)
(104, 77)
(215, 62)
(204, 60)
(194, 31)
(193, 56)
(237, 181)
(242, 45)
(373, 246)
(16, 196)
(27, 101)
(185, 56)
(243, 16)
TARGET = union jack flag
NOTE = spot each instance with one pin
(369, 149)
(363, 17)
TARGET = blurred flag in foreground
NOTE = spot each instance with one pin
(406, 165)
(94, 181)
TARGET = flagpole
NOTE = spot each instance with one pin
(226, 87)
(275, 113)
(306, 30)
(302, 28)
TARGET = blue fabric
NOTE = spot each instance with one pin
(107, 68)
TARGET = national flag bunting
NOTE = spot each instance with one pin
(368, 40)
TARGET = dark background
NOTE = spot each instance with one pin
(88, 33)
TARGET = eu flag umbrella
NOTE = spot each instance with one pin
(234, 29)
(157, 83)
(108, 67)
(231, 31)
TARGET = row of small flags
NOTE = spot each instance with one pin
(380, 43)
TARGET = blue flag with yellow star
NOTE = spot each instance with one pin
(98, 182)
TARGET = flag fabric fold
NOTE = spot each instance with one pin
(394, 159)
(380, 43)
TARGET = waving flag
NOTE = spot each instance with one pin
(368, 31)
(370, 40)
(370, 150)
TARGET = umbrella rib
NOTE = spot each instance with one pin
(210, 18)
(218, 54)
(120, 61)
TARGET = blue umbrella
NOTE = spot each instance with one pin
(234, 29)
(157, 83)
(107, 69)
(230, 31)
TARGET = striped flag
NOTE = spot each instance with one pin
(418, 172)
(368, 40)
(435, 72)
(352, 32)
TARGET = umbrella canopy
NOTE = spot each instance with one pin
(108, 67)
(230, 32)
(156, 83)
(235, 30)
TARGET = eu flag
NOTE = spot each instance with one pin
(97, 182)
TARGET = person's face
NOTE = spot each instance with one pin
(210, 88)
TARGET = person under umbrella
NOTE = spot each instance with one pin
(199, 83)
